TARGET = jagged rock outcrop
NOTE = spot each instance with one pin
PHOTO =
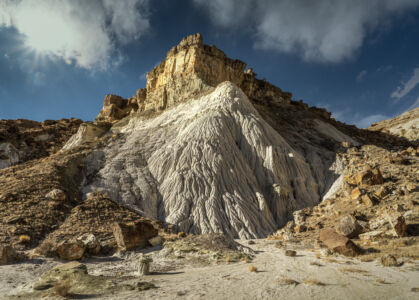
(190, 69)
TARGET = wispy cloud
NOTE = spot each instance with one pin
(320, 31)
(403, 89)
(361, 75)
(84, 32)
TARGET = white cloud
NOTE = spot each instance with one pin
(85, 32)
(407, 86)
(361, 75)
(320, 31)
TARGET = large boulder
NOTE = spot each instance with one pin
(133, 235)
(339, 243)
(72, 270)
(70, 250)
(349, 227)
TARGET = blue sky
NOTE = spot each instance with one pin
(359, 59)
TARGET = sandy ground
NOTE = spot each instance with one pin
(341, 278)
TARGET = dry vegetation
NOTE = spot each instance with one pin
(252, 268)
(314, 282)
(63, 288)
(287, 281)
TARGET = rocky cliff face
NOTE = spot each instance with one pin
(190, 69)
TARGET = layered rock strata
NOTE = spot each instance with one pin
(190, 69)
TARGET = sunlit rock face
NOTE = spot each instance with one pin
(190, 69)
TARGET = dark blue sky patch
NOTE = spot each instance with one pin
(357, 86)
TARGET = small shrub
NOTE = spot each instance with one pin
(252, 268)
(24, 239)
(63, 288)
(314, 282)
(228, 258)
(245, 259)
(287, 281)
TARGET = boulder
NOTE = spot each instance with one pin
(156, 241)
(71, 270)
(291, 253)
(365, 178)
(90, 242)
(339, 243)
(56, 195)
(8, 255)
(399, 225)
(134, 234)
(349, 227)
(70, 250)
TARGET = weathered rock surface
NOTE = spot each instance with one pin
(86, 133)
(133, 235)
(71, 250)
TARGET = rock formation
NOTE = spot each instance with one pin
(189, 70)
(205, 146)
(209, 147)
